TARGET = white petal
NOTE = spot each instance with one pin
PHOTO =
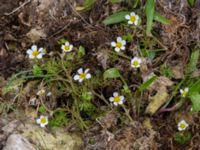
(46, 119)
(63, 47)
(127, 17)
(115, 94)
(111, 99)
(80, 71)
(123, 42)
(180, 129)
(31, 56)
(121, 102)
(80, 80)
(87, 70)
(49, 94)
(42, 125)
(130, 22)
(39, 56)
(116, 104)
(88, 76)
(34, 47)
(123, 48)
(132, 14)
(186, 89)
(76, 77)
(113, 44)
(117, 49)
(181, 91)
(136, 22)
(42, 50)
(29, 52)
(67, 43)
(182, 122)
(38, 121)
(137, 17)
(119, 39)
(121, 98)
(70, 47)
(139, 60)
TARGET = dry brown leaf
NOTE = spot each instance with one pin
(157, 101)
(35, 35)
(177, 72)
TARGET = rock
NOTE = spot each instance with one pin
(16, 136)
(59, 140)
(18, 142)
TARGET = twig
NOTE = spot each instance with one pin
(16, 9)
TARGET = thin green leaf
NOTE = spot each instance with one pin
(116, 18)
(115, 1)
(158, 17)
(149, 11)
(193, 61)
(146, 84)
(195, 98)
(111, 73)
(191, 2)
(194, 88)
(88, 4)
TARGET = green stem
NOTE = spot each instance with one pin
(102, 98)
(127, 113)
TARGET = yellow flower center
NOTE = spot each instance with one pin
(118, 44)
(182, 126)
(67, 48)
(43, 120)
(116, 99)
(132, 18)
(184, 93)
(135, 63)
(82, 75)
(35, 53)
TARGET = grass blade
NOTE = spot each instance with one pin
(193, 61)
(111, 73)
(149, 11)
(116, 18)
(146, 84)
(158, 17)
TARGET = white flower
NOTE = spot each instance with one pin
(42, 121)
(82, 75)
(136, 62)
(132, 18)
(184, 92)
(41, 92)
(182, 125)
(49, 94)
(117, 99)
(67, 47)
(119, 45)
(35, 53)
